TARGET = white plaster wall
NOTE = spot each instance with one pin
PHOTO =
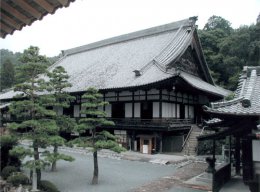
(186, 111)
(58, 110)
(128, 109)
(110, 94)
(76, 111)
(127, 96)
(156, 109)
(153, 91)
(83, 109)
(108, 110)
(178, 111)
(137, 112)
(168, 110)
(124, 93)
(256, 150)
(191, 111)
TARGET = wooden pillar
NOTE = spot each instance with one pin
(161, 143)
(247, 160)
(237, 156)
(230, 147)
(214, 148)
(133, 104)
(160, 104)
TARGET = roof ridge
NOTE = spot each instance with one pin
(247, 97)
(215, 105)
(133, 35)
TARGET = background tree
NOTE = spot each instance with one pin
(217, 22)
(7, 75)
(94, 119)
(58, 83)
(227, 50)
(35, 119)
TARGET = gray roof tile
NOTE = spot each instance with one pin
(111, 63)
(247, 97)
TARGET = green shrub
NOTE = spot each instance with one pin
(7, 171)
(47, 186)
(17, 179)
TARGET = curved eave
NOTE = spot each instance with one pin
(223, 113)
(201, 85)
(17, 14)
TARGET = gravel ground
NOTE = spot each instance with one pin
(114, 175)
(174, 181)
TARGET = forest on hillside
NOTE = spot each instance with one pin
(226, 51)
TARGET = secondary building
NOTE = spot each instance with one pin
(239, 120)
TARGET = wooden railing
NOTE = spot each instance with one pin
(221, 176)
(151, 122)
(163, 122)
(187, 138)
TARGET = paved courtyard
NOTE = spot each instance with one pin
(114, 175)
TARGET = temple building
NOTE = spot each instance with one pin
(156, 81)
(239, 120)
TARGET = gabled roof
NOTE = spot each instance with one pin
(247, 96)
(134, 59)
(14, 15)
(137, 59)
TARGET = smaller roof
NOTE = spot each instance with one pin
(247, 96)
(4, 105)
(17, 14)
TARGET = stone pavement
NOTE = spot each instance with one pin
(234, 185)
(179, 160)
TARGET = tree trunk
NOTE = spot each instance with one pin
(95, 174)
(54, 163)
(37, 157)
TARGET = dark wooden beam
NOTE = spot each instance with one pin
(6, 28)
(2, 34)
(28, 8)
(237, 155)
(15, 13)
(45, 5)
(64, 3)
(10, 21)
(160, 103)
(133, 104)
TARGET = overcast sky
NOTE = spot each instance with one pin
(86, 21)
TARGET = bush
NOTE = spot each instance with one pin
(17, 179)
(7, 171)
(7, 142)
(47, 186)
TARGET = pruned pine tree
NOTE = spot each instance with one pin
(58, 83)
(96, 118)
(34, 120)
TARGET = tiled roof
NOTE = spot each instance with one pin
(247, 96)
(111, 63)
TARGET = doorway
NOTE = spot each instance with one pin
(147, 110)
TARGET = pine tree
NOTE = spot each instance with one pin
(34, 119)
(30, 56)
(96, 118)
(57, 85)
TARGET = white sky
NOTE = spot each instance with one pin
(86, 21)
